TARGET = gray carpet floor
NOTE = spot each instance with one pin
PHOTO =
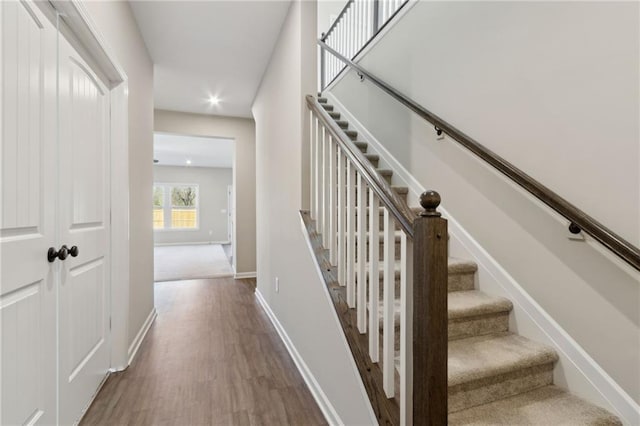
(173, 263)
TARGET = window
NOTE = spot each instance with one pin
(158, 207)
(175, 206)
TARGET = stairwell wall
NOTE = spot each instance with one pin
(301, 305)
(553, 88)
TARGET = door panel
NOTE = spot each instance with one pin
(83, 222)
(27, 216)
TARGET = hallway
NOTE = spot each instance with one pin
(212, 357)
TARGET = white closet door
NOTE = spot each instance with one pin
(27, 216)
(83, 223)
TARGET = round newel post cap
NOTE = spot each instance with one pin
(430, 200)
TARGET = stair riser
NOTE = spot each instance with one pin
(461, 281)
(461, 328)
(491, 389)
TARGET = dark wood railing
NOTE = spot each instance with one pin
(580, 221)
(424, 320)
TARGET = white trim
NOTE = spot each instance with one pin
(142, 333)
(241, 275)
(378, 37)
(580, 373)
(323, 402)
(334, 314)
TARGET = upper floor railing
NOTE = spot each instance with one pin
(356, 25)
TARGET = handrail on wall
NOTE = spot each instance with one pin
(579, 219)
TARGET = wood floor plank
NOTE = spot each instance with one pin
(212, 357)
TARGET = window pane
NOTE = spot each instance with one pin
(184, 213)
(158, 211)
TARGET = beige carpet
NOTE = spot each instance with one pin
(173, 263)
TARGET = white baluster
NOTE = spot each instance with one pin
(388, 299)
(341, 218)
(362, 255)
(361, 18)
(374, 277)
(368, 22)
(406, 331)
(351, 235)
(318, 174)
(323, 186)
(332, 200)
(312, 165)
(321, 174)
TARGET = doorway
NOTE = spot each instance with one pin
(191, 207)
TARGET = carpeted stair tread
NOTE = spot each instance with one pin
(385, 172)
(548, 405)
(334, 114)
(351, 133)
(342, 123)
(461, 266)
(362, 146)
(463, 304)
(481, 357)
(327, 107)
(322, 100)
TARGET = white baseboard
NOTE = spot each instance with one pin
(194, 243)
(577, 371)
(323, 402)
(240, 275)
(135, 345)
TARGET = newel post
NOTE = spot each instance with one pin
(430, 274)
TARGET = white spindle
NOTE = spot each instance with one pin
(374, 277)
(341, 218)
(388, 299)
(325, 188)
(385, 11)
(368, 22)
(333, 146)
(362, 255)
(406, 330)
(318, 173)
(312, 165)
(351, 235)
(320, 181)
(361, 38)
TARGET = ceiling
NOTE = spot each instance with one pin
(209, 48)
(176, 150)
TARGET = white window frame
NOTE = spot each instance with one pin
(166, 207)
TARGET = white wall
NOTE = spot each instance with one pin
(552, 87)
(212, 203)
(301, 305)
(242, 130)
(115, 21)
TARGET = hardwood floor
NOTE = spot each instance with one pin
(212, 357)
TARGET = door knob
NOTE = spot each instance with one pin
(63, 253)
(52, 255)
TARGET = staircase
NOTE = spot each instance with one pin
(495, 376)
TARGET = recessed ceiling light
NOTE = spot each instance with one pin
(213, 100)
(188, 161)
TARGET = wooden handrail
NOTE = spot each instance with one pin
(614, 242)
(396, 206)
